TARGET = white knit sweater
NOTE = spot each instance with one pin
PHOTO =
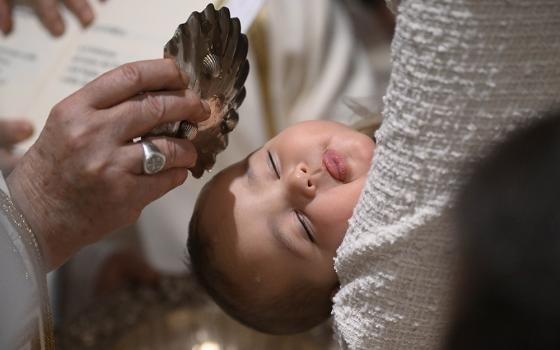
(465, 73)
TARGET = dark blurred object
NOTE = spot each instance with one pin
(124, 269)
(372, 20)
(172, 315)
(378, 5)
(509, 220)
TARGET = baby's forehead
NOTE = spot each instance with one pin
(216, 203)
(219, 186)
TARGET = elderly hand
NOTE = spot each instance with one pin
(11, 133)
(48, 12)
(84, 177)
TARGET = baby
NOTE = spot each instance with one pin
(265, 230)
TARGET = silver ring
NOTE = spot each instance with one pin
(154, 160)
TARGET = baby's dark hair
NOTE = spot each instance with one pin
(509, 224)
(304, 308)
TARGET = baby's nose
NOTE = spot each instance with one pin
(301, 182)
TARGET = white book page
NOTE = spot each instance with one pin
(27, 57)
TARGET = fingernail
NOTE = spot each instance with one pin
(58, 28)
(194, 159)
(193, 162)
(6, 27)
(205, 106)
(87, 16)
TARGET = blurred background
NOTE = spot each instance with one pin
(313, 59)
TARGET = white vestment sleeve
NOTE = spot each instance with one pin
(25, 317)
(465, 73)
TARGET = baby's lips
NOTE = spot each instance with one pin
(336, 165)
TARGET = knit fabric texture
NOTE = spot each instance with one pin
(465, 74)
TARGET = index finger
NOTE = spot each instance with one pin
(14, 131)
(82, 9)
(50, 16)
(5, 16)
(130, 79)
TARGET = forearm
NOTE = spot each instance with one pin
(39, 211)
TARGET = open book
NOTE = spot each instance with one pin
(37, 70)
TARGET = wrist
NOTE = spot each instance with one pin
(29, 197)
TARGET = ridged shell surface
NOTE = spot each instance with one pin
(212, 52)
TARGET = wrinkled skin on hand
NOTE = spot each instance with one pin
(83, 178)
(48, 12)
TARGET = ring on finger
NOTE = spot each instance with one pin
(154, 160)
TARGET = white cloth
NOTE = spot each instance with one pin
(25, 320)
(315, 62)
(465, 73)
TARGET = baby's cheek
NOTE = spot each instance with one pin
(336, 210)
(344, 198)
(333, 226)
(336, 240)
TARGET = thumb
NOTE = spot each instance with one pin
(14, 131)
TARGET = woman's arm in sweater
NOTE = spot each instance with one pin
(465, 73)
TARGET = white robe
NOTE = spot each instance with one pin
(25, 317)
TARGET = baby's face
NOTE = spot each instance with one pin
(279, 216)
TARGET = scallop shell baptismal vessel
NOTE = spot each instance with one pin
(211, 50)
